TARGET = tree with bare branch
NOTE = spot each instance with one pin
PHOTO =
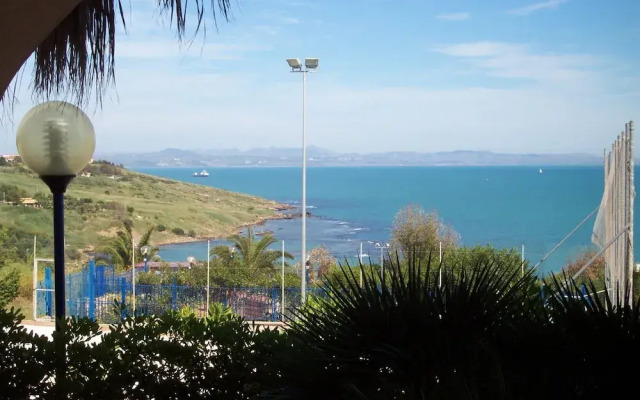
(417, 233)
(321, 261)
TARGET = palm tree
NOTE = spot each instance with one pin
(74, 40)
(250, 253)
(120, 246)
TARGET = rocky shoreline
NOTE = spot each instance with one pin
(257, 222)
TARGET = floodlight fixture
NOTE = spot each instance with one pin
(294, 63)
(311, 63)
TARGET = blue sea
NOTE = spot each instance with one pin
(501, 206)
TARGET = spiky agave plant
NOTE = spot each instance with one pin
(409, 337)
(595, 341)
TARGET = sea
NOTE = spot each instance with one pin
(353, 206)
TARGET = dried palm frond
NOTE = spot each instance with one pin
(77, 58)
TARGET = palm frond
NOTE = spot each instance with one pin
(77, 59)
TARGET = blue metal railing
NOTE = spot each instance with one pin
(93, 291)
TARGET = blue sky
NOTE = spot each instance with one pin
(508, 76)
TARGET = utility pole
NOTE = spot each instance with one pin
(523, 259)
(360, 257)
(133, 273)
(282, 301)
(208, 262)
(440, 268)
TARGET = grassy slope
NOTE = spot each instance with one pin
(208, 211)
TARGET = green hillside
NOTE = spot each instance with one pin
(97, 205)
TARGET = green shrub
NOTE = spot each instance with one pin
(192, 233)
(161, 228)
(181, 356)
(178, 231)
(218, 313)
(9, 284)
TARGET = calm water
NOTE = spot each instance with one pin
(504, 206)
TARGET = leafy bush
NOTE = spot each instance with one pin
(26, 360)
(9, 284)
(172, 356)
(12, 192)
(178, 231)
(161, 228)
(192, 233)
(485, 333)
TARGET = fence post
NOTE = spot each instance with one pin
(583, 289)
(92, 289)
(274, 303)
(47, 296)
(69, 294)
(224, 295)
(123, 294)
(174, 295)
(101, 285)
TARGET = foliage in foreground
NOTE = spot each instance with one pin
(173, 356)
(486, 333)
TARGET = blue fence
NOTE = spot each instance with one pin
(93, 291)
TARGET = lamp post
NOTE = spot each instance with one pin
(145, 253)
(382, 247)
(56, 140)
(310, 64)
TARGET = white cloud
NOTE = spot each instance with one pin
(508, 60)
(290, 21)
(167, 108)
(531, 8)
(454, 16)
(267, 29)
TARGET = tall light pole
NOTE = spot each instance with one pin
(56, 140)
(382, 247)
(133, 274)
(310, 64)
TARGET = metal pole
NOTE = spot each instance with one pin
(360, 256)
(58, 256)
(630, 249)
(382, 262)
(523, 259)
(566, 237)
(440, 268)
(133, 273)
(594, 258)
(35, 280)
(282, 300)
(208, 265)
(303, 263)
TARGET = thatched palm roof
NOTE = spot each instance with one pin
(74, 41)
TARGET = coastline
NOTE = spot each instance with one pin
(236, 230)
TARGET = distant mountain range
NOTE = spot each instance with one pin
(281, 157)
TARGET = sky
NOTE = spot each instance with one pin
(517, 76)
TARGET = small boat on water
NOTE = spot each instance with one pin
(202, 174)
(540, 171)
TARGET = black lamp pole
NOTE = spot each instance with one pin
(58, 185)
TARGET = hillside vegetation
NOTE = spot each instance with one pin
(97, 205)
